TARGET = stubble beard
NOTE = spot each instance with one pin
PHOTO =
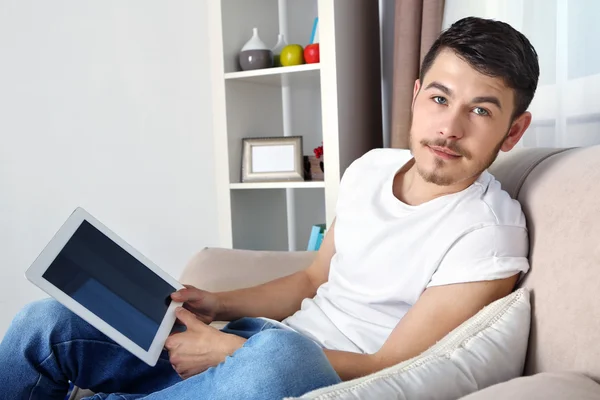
(437, 177)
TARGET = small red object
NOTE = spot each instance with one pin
(312, 54)
(318, 151)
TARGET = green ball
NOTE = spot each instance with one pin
(292, 54)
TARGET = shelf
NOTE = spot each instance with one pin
(331, 102)
(272, 76)
(278, 185)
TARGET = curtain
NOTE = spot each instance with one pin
(565, 34)
(417, 23)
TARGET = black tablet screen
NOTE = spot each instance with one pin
(111, 283)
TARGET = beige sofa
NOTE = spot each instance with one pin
(559, 192)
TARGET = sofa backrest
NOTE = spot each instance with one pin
(559, 191)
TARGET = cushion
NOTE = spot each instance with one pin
(487, 349)
(544, 386)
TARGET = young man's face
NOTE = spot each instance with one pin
(461, 120)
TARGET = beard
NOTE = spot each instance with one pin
(438, 177)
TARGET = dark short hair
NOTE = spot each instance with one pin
(495, 49)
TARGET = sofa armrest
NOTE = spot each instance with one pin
(219, 269)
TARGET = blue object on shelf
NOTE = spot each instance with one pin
(314, 30)
(317, 233)
(320, 240)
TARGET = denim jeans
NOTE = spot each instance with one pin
(47, 346)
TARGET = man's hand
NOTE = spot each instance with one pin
(205, 305)
(200, 346)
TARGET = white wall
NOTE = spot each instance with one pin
(104, 105)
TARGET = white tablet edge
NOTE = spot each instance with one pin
(44, 260)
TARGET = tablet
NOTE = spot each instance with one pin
(112, 286)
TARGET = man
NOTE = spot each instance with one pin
(422, 241)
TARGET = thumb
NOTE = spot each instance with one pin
(187, 318)
(188, 293)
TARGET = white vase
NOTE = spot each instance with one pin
(255, 43)
(255, 54)
(281, 43)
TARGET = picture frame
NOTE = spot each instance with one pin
(272, 159)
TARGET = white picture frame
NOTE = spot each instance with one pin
(272, 159)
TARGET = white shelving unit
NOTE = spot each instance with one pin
(272, 76)
(278, 185)
(336, 102)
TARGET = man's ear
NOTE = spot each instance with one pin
(517, 129)
(415, 92)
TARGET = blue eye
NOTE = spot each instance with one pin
(481, 111)
(439, 99)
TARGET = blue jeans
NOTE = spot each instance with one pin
(47, 346)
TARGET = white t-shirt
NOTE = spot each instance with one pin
(388, 252)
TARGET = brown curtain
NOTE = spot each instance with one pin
(417, 23)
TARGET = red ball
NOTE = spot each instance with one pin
(312, 54)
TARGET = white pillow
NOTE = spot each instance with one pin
(487, 349)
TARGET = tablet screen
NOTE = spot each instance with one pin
(111, 283)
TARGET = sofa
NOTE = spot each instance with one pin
(557, 189)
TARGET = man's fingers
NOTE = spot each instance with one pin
(189, 293)
(187, 318)
(204, 319)
(171, 343)
(188, 307)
